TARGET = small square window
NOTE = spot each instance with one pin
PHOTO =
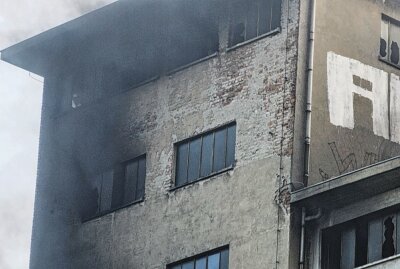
(390, 40)
(206, 154)
(216, 259)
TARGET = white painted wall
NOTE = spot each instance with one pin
(385, 99)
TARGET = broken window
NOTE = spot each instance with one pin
(205, 155)
(361, 241)
(390, 40)
(253, 18)
(119, 187)
(216, 259)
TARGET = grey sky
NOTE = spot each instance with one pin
(20, 119)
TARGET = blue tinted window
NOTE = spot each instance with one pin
(201, 263)
(182, 164)
(214, 260)
(194, 159)
(205, 154)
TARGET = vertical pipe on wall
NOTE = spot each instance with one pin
(310, 73)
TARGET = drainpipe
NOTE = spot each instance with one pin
(304, 219)
(309, 89)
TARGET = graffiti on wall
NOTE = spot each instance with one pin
(347, 78)
(348, 161)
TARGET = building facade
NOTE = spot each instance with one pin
(219, 134)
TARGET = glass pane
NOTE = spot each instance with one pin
(238, 22)
(389, 233)
(177, 267)
(207, 155)
(276, 14)
(264, 24)
(194, 159)
(141, 179)
(213, 261)
(230, 146)
(252, 20)
(106, 191)
(394, 36)
(188, 265)
(383, 51)
(348, 249)
(118, 187)
(201, 263)
(224, 259)
(131, 172)
(181, 163)
(375, 240)
(219, 150)
(398, 234)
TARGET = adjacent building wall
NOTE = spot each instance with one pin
(354, 121)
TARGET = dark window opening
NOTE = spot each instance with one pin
(119, 187)
(253, 18)
(361, 241)
(390, 40)
(205, 155)
(215, 259)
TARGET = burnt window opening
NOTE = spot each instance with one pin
(205, 155)
(253, 18)
(390, 40)
(214, 259)
(119, 187)
(361, 241)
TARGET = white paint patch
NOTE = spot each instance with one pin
(341, 90)
(395, 108)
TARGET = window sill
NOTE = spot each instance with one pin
(384, 263)
(180, 68)
(271, 33)
(388, 62)
(230, 168)
(102, 214)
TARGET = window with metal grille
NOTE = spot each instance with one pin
(216, 259)
(253, 18)
(118, 187)
(361, 241)
(390, 40)
(205, 155)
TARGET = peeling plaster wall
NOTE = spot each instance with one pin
(236, 208)
(353, 124)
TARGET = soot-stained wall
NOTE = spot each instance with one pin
(236, 208)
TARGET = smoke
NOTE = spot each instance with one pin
(21, 19)
(20, 119)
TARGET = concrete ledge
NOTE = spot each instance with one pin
(359, 184)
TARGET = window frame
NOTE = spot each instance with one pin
(192, 138)
(359, 225)
(391, 21)
(271, 32)
(205, 254)
(123, 166)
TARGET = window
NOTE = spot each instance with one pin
(129, 186)
(205, 155)
(119, 187)
(362, 241)
(390, 40)
(253, 18)
(218, 259)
